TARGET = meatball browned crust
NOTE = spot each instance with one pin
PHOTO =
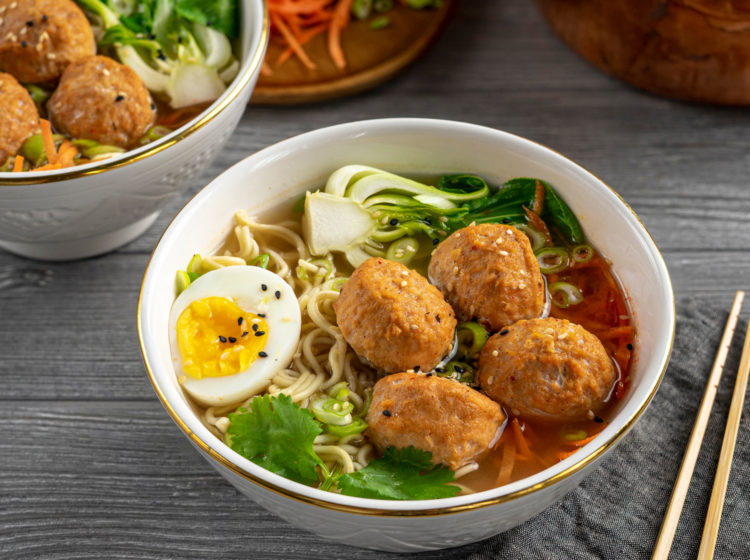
(488, 272)
(547, 369)
(452, 421)
(19, 118)
(394, 318)
(39, 38)
(103, 100)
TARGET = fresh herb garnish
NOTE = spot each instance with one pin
(278, 435)
(402, 474)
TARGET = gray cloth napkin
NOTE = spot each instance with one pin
(617, 511)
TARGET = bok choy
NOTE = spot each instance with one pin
(364, 212)
(179, 48)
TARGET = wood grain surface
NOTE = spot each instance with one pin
(92, 467)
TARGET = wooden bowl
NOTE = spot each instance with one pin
(696, 50)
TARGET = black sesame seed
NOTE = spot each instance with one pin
(416, 369)
(630, 346)
(24, 44)
(459, 369)
(437, 317)
(429, 375)
(239, 320)
(261, 314)
(151, 36)
(160, 55)
(435, 241)
(29, 23)
(260, 333)
(428, 221)
(277, 293)
(262, 354)
(504, 332)
(394, 222)
(244, 333)
(232, 339)
(598, 420)
(179, 39)
(255, 326)
(506, 220)
(439, 369)
(222, 338)
(153, 107)
(386, 413)
(263, 287)
(44, 17)
(119, 98)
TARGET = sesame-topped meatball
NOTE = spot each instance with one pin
(450, 420)
(488, 272)
(547, 369)
(103, 100)
(39, 38)
(19, 118)
(394, 318)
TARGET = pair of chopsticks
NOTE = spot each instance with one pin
(713, 517)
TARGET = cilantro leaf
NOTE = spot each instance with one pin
(278, 435)
(402, 474)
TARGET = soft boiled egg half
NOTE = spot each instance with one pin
(230, 331)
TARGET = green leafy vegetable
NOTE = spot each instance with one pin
(561, 216)
(179, 48)
(405, 474)
(278, 435)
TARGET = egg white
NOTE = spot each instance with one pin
(243, 285)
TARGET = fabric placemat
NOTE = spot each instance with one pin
(617, 511)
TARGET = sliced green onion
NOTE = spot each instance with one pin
(336, 284)
(261, 260)
(380, 22)
(474, 335)
(193, 276)
(182, 281)
(33, 149)
(382, 5)
(325, 267)
(459, 371)
(357, 426)
(565, 294)
(38, 95)
(552, 259)
(403, 250)
(361, 8)
(154, 133)
(576, 436)
(302, 274)
(582, 253)
(340, 391)
(195, 264)
(332, 411)
(536, 237)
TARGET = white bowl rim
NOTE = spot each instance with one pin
(260, 28)
(244, 468)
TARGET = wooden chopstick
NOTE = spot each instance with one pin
(713, 517)
(672, 516)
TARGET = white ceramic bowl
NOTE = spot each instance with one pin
(94, 208)
(420, 147)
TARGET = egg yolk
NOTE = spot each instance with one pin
(217, 338)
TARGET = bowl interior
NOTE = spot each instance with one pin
(249, 47)
(423, 148)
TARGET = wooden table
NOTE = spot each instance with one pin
(90, 464)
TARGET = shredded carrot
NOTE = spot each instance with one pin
(507, 462)
(303, 38)
(49, 141)
(294, 44)
(18, 164)
(339, 21)
(523, 447)
(66, 155)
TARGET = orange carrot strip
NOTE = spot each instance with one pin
(265, 69)
(18, 164)
(66, 154)
(293, 43)
(523, 447)
(49, 141)
(304, 38)
(507, 463)
(565, 454)
(339, 21)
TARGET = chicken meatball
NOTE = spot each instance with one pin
(450, 420)
(394, 318)
(488, 272)
(547, 369)
(19, 118)
(103, 100)
(39, 38)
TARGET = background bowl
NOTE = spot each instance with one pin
(94, 208)
(420, 147)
